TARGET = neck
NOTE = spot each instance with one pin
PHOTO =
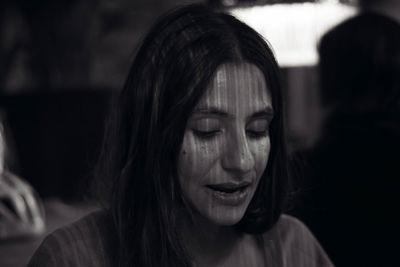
(206, 243)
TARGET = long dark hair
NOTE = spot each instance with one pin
(172, 68)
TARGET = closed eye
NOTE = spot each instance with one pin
(205, 134)
(257, 134)
(258, 128)
(205, 128)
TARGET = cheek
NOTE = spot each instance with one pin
(261, 152)
(195, 159)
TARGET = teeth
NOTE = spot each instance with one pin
(227, 190)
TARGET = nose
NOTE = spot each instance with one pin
(237, 155)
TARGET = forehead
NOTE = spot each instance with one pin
(236, 85)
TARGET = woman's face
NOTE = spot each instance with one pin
(226, 144)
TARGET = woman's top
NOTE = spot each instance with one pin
(89, 242)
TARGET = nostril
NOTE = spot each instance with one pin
(238, 161)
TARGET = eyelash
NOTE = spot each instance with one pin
(258, 134)
(207, 135)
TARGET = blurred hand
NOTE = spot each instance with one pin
(21, 211)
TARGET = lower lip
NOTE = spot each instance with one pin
(230, 199)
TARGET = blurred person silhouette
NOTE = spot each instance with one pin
(353, 172)
(21, 210)
(389, 8)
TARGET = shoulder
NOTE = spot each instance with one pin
(83, 243)
(294, 244)
(291, 229)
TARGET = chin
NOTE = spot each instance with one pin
(227, 221)
(226, 216)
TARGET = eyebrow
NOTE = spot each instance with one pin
(214, 111)
(211, 111)
(266, 112)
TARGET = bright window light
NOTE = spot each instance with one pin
(294, 30)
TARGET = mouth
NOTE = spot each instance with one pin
(230, 194)
(229, 188)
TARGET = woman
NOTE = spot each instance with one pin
(195, 158)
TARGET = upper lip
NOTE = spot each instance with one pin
(229, 185)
